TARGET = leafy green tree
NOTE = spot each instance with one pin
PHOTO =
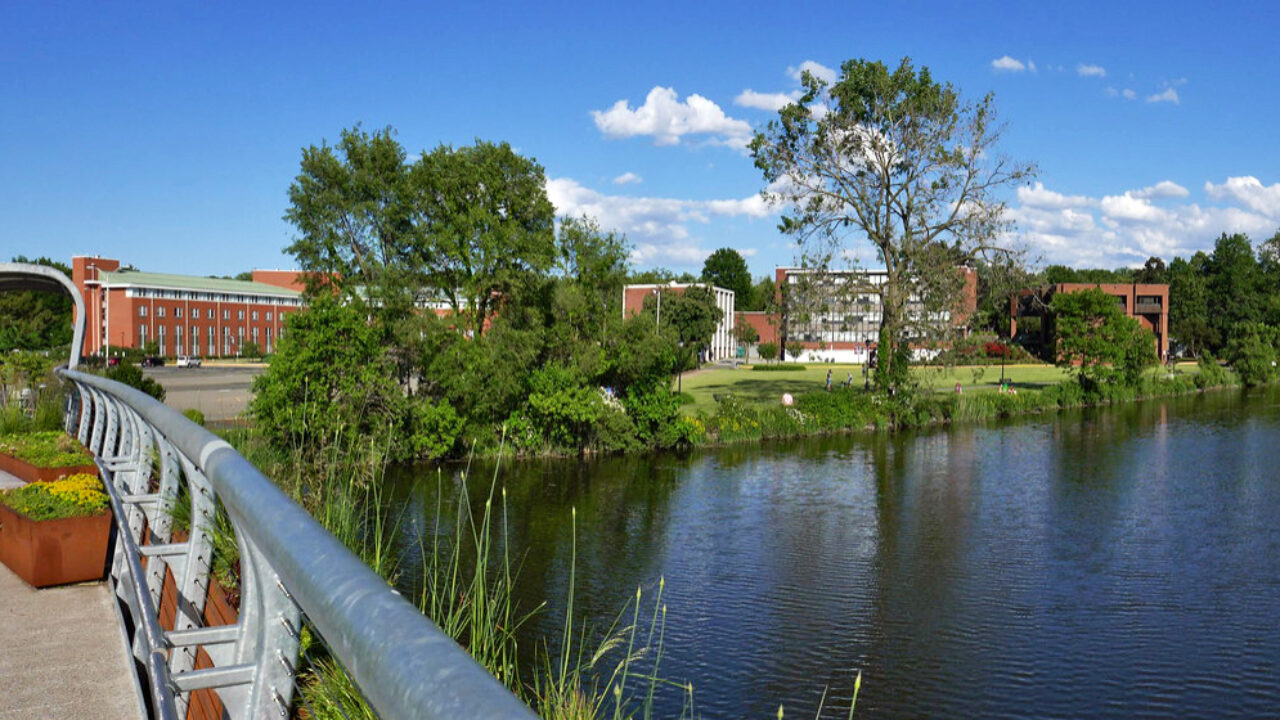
(768, 351)
(331, 378)
(348, 204)
(727, 269)
(592, 269)
(900, 161)
(1098, 342)
(760, 297)
(482, 224)
(33, 319)
(1152, 272)
(1251, 351)
(1234, 283)
(745, 333)
(1189, 304)
(692, 315)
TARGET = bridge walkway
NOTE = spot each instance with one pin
(61, 652)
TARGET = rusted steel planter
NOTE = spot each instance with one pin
(24, 470)
(54, 552)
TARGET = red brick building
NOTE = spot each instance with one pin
(182, 314)
(722, 343)
(1148, 303)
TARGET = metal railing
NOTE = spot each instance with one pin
(149, 455)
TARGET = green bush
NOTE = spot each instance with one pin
(1210, 373)
(47, 448)
(779, 367)
(432, 429)
(131, 375)
(768, 350)
(653, 410)
(194, 416)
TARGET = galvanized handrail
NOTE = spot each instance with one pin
(403, 664)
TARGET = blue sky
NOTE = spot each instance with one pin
(167, 134)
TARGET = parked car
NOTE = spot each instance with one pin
(188, 362)
(152, 361)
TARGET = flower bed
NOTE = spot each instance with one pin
(44, 456)
(55, 533)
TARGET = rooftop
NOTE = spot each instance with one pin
(125, 278)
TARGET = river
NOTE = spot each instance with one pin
(1110, 563)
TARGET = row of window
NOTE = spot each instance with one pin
(195, 313)
(213, 297)
(229, 343)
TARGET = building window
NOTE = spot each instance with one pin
(239, 314)
(177, 340)
(253, 315)
(160, 339)
(268, 317)
(195, 313)
(226, 314)
(160, 311)
(213, 344)
(177, 312)
(142, 336)
(269, 343)
(255, 336)
(142, 311)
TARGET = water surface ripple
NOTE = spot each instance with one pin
(1117, 563)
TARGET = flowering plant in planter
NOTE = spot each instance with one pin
(76, 496)
(54, 533)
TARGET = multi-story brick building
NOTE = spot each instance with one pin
(1148, 303)
(182, 314)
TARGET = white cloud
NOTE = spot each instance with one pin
(628, 178)
(1168, 95)
(1129, 94)
(1162, 189)
(658, 227)
(1248, 191)
(1084, 70)
(667, 119)
(1031, 65)
(1007, 64)
(818, 70)
(1128, 227)
(1037, 196)
(772, 102)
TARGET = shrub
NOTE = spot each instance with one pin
(767, 350)
(75, 496)
(653, 409)
(432, 429)
(129, 374)
(194, 416)
(780, 367)
(49, 448)
(1210, 373)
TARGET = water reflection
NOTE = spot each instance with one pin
(1105, 563)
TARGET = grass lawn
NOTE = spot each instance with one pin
(755, 386)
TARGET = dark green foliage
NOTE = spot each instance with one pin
(768, 350)
(727, 269)
(562, 408)
(653, 410)
(1210, 373)
(194, 416)
(779, 367)
(33, 319)
(795, 349)
(331, 377)
(1252, 353)
(1098, 342)
(131, 375)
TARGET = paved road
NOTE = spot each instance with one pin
(221, 392)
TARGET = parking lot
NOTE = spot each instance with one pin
(219, 391)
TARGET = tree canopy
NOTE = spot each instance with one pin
(726, 268)
(35, 319)
(1098, 341)
(901, 162)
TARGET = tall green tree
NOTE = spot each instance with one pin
(1098, 341)
(897, 160)
(726, 268)
(34, 319)
(1189, 322)
(348, 205)
(482, 225)
(1234, 283)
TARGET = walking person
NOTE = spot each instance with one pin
(828, 381)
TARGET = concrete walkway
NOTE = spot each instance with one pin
(61, 654)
